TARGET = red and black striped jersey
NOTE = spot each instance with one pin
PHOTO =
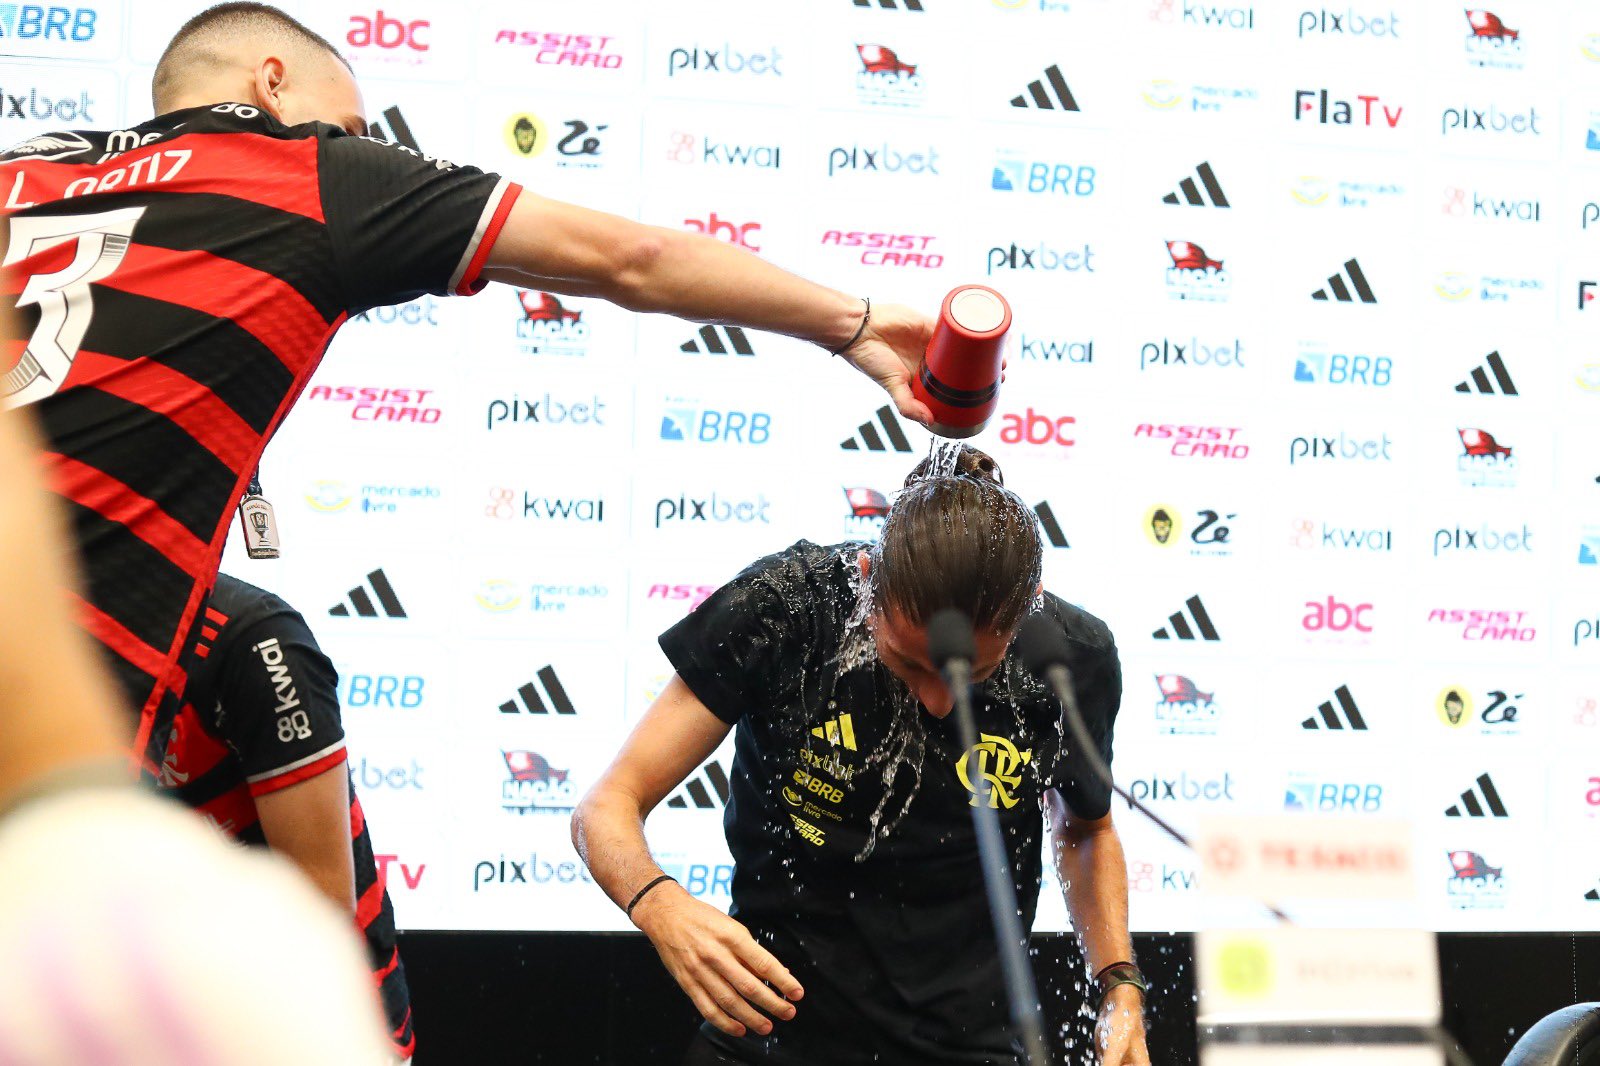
(260, 712)
(176, 284)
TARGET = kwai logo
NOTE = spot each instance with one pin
(1014, 174)
(1037, 349)
(533, 786)
(545, 411)
(1196, 442)
(1203, 16)
(1041, 257)
(547, 326)
(1316, 365)
(1490, 43)
(563, 49)
(1485, 463)
(1309, 534)
(724, 59)
(741, 233)
(1347, 23)
(1183, 710)
(1473, 121)
(886, 80)
(1367, 111)
(882, 159)
(1473, 883)
(1486, 538)
(886, 249)
(1149, 877)
(1474, 204)
(370, 403)
(506, 504)
(1208, 532)
(1193, 275)
(1343, 448)
(1485, 625)
(689, 149)
(1189, 351)
(1196, 788)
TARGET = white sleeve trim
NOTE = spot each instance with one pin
(489, 210)
(308, 760)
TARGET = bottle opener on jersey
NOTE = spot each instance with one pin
(259, 524)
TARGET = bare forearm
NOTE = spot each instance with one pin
(1095, 873)
(608, 831)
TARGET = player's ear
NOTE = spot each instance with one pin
(864, 562)
(269, 79)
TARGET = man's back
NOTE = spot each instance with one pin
(179, 282)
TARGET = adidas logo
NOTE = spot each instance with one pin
(1178, 625)
(893, 5)
(1191, 193)
(1050, 527)
(695, 794)
(867, 434)
(1593, 895)
(362, 602)
(716, 340)
(839, 732)
(1330, 717)
(1341, 291)
(532, 701)
(1471, 808)
(1039, 93)
(1480, 381)
(397, 133)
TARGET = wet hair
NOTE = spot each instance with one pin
(956, 537)
(197, 42)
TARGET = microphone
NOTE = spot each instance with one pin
(951, 648)
(1045, 653)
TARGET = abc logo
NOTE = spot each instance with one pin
(731, 232)
(1034, 428)
(1335, 617)
(386, 32)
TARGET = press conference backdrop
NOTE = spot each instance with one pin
(1304, 388)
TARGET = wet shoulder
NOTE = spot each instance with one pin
(1080, 626)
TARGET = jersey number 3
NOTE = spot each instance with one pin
(63, 297)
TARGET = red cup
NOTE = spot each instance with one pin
(960, 375)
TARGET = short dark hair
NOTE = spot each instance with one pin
(957, 537)
(188, 45)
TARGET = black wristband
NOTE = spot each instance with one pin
(1120, 973)
(640, 894)
(866, 317)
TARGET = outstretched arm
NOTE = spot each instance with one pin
(575, 250)
(713, 958)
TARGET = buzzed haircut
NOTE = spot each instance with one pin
(197, 43)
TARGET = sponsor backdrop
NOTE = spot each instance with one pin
(1304, 386)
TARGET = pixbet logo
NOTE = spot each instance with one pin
(1466, 119)
(1031, 427)
(36, 22)
(726, 60)
(564, 49)
(883, 159)
(383, 31)
(1323, 22)
(370, 775)
(423, 312)
(1040, 257)
(1038, 349)
(1050, 179)
(373, 404)
(532, 871)
(1338, 449)
(394, 691)
(1326, 110)
(546, 411)
(1482, 539)
(711, 426)
(1169, 352)
(1316, 366)
(1183, 787)
(1481, 625)
(1335, 616)
(32, 104)
(887, 249)
(1585, 630)
(1197, 442)
(741, 234)
(713, 508)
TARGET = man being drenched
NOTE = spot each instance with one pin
(859, 931)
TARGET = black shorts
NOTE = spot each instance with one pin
(703, 1052)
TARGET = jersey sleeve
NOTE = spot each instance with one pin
(1097, 682)
(277, 702)
(404, 224)
(746, 647)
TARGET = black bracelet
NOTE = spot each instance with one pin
(865, 318)
(640, 894)
(1120, 973)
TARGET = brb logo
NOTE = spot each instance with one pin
(1194, 275)
(710, 426)
(1317, 366)
(36, 22)
(1353, 796)
(388, 33)
(1051, 179)
(1031, 427)
(741, 234)
(382, 690)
